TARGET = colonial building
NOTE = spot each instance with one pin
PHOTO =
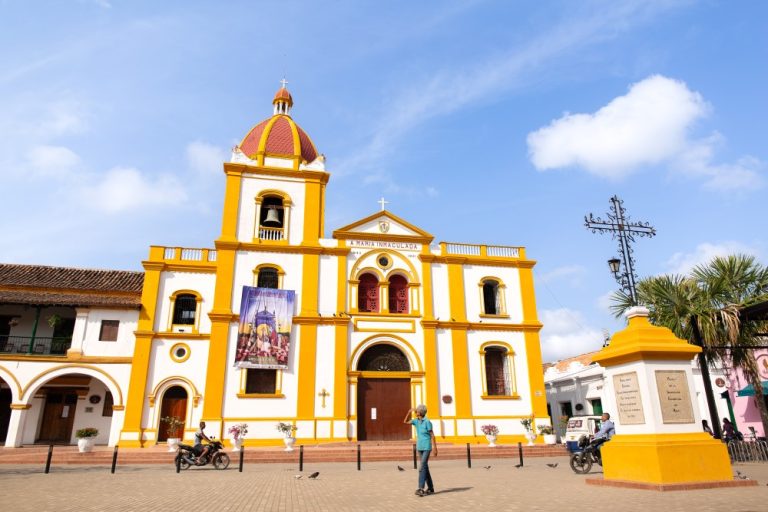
(338, 336)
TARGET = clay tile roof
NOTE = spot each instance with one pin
(44, 285)
(564, 364)
(280, 139)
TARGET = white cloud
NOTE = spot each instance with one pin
(564, 334)
(126, 188)
(604, 301)
(571, 273)
(647, 126)
(205, 158)
(62, 118)
(52, 160)
(452, 89)
(683, 263)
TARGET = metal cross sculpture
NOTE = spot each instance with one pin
(619, 226)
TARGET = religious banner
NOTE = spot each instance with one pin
(264, 335)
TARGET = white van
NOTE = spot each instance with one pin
(579, 426)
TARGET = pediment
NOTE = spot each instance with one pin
(384, 225)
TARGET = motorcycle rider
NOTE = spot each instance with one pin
(606, 432)
(201, 450)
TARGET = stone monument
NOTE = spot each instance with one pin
(659, 443)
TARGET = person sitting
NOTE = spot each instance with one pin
(705, 427)
(729, 433)
(200, 450)
(606, 432)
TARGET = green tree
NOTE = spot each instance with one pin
(710, 299)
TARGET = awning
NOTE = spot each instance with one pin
(750, 391)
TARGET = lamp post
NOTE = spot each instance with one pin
(622, 229)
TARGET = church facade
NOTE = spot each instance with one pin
(337, 336)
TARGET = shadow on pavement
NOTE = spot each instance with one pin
(453, 489)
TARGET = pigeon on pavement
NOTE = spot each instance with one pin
(553, 465)
(486, 467)
(297, 477)
(314, 475)
(400, 468)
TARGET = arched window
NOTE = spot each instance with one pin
(268, 278)
(383, 358)
(498, 371)
(491, 297)
(398, 294)
(368, 294)
(184, 309)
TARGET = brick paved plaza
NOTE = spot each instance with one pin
(340, 487)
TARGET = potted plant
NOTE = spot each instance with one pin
(54, 320)
(237, 434)
(288, 431)
(548, 432)
(491, 432)
(527, 423)
(175, 424)
(86, 438)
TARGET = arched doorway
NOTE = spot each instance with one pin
(383, 394)
(174, 404)
(6, 398)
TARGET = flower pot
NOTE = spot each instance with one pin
(237, 444)
(550, 439)
(531, 436)
(85, 444)
(289, 442)
(173, 443)
(491, 439)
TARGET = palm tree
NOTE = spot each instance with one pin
(704, 308)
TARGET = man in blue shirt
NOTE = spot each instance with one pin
(606, 432)
(425, 444)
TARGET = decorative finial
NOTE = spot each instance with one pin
(283, 82)
(382, 202)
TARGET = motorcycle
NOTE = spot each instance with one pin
(186, 456)
(582, 461)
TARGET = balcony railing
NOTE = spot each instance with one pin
(184, 254)
(495, 251)
(35, 347)
(266, 233)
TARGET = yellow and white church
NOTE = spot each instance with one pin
(338, 336)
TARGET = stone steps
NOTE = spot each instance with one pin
(338, 452)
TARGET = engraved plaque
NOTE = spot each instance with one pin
(674, 396)
(628, 399)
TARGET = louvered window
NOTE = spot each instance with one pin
(398, 295)
(368, 294)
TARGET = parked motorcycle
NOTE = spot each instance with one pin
(582, 461)
(186, 456)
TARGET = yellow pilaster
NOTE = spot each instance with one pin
(341, 334)
(305, 407)
(459, 338)
(532, 344)
(221, 318)
(231, 204)
(134, 406)
(430, 340)
(314, 193)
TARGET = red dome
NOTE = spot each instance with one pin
(278, 136)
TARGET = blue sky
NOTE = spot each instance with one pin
(480, 121)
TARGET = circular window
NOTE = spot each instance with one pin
(384, 261)
(180, 352)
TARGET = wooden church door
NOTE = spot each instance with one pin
(174, 404)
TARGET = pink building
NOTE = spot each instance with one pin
(742, 397)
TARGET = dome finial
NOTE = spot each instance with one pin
(283, 100)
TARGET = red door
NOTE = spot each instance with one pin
(174, 404)
(381, 407)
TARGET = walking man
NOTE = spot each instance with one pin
(425, 445)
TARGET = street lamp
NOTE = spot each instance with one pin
(614, 264)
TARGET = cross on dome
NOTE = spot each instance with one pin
(382, 202)
(283, 82)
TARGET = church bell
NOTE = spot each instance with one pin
(272, 217)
